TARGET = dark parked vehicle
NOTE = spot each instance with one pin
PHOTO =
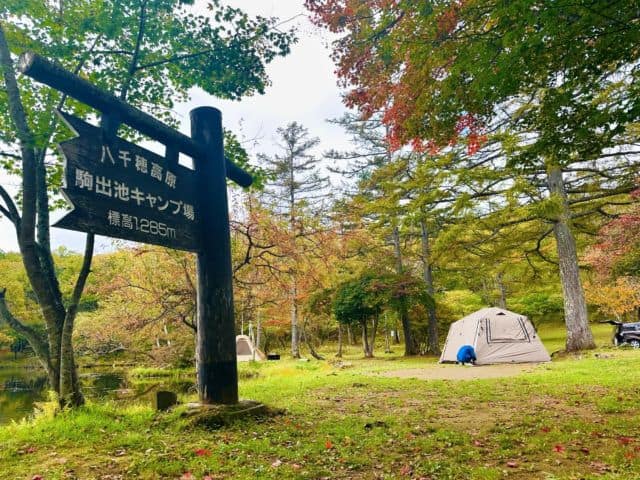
(626, 333)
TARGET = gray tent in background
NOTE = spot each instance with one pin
(497, 336)
(246, 350)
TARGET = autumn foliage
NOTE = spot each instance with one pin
(615, 260)
(380, 73)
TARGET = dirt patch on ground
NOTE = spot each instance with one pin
(459, 372)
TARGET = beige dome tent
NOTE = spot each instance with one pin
(497, 336)
(246, 350)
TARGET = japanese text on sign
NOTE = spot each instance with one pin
(102, 185)
(140, 164)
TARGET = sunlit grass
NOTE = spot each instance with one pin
(575, 417)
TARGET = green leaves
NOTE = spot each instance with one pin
(363, 297)
(154, 53)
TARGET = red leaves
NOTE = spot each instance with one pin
(37, 477)
(559, 448)
(545, 429)
(406, 470)
(448, 20)
(616, 240)
(625, 440)
(328, 445)
(202, 452)
(187, 476)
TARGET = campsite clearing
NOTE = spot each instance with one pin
(573, 418)
(458, 372)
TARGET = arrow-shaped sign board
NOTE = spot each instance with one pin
(121, 190)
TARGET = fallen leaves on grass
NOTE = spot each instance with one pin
(625, 440)
(187, 476)
(276, 463)
(202, 452)
(558, 448)
(512, 464)
(600, 467)
(328, 445)
(406, 470)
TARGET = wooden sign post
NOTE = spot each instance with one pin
(121, 190)
(216, 343)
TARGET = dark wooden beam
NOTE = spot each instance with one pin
(216, 341)
(55, 76)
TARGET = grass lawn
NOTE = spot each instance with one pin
(576, 418)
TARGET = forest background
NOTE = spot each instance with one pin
(432, 222)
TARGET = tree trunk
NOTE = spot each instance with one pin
(387, 345)
(312, 350)
(579, 336)
(433, 341)
(365, 340)
(295, 337)
(350, 337)
(502, 301)
(259, 332)
(396, 333)
(339, 354)
(32, 230)
(374, 331)
(410, 347)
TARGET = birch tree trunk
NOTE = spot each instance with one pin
(579, 335)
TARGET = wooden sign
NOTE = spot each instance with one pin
(121, 190)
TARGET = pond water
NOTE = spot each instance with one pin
(21, 389)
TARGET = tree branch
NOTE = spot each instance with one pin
(35, 340)
(11, 208)
(133, 66)
(72, 309)
(175, 58)
(10, 155)
(25, 136)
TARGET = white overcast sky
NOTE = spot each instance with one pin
(303, 88)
